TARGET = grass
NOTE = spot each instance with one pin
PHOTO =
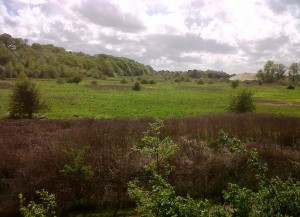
(111, 99)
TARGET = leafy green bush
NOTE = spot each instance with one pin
(46, 207)
(200, 81)
(76, 79)
(152, 82)
(136, 86)
(274, 197)
(25, 99)
(235, 84)
(242, 101)
(158, 197)
(290, 87)
(144, 81)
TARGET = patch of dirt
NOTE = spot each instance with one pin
(5, 85)
(278, 103)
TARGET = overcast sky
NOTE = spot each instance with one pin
(230, 35)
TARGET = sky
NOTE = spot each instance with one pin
(234, 36)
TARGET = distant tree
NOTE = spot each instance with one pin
(242, 101)
(294, 71)
(271, 72)
(25, 98)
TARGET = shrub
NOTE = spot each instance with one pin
(76, 79)
(274, 197)
(235, 84)
(290, 87)
(25, 99)
(152, 82)
(46, 207)
(123, 81)
(159, 198)
(242, 101)
(200, 81)
(144, 81)
(210, 82)
(136, 86)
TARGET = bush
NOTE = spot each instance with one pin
(25, 99)
(136, 86)
(200, 81)
(290, 87)
(76, 79)
(242, 101)
(235, 84)
(152, 82)
(144, 81)
(46, 207)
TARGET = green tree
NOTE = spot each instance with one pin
(46, 207)
(242, 101)
(25, 98)
(235, 84)
(294, 71)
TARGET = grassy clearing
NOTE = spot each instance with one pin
(111, 99)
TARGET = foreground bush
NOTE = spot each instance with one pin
(242, 101)
(159, 198)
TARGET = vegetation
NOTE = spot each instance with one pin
(136, 86)
(46, 207)
(235, 84)
(35, 156)
(48, 61)
(25, 99)
(242, 101)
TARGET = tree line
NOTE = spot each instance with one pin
(273, 72)
(49, 61)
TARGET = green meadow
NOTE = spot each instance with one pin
(112, 99)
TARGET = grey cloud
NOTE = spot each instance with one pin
(280, 6)
(105, 13)
(187, 43)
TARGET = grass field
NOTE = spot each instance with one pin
(111, 99)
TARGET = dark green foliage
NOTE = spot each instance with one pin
(25, 99)
(136, 86)
(242, 101)
(144, 81)
(290, 87)
(152, 82)
(76, 79)
(235, 84)
(200, 81)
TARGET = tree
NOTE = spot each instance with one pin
(235, 84)
(25, 98)
(242, 101)
(294, 70)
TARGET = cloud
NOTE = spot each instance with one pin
(229, 35)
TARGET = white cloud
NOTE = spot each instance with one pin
(229, 35)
